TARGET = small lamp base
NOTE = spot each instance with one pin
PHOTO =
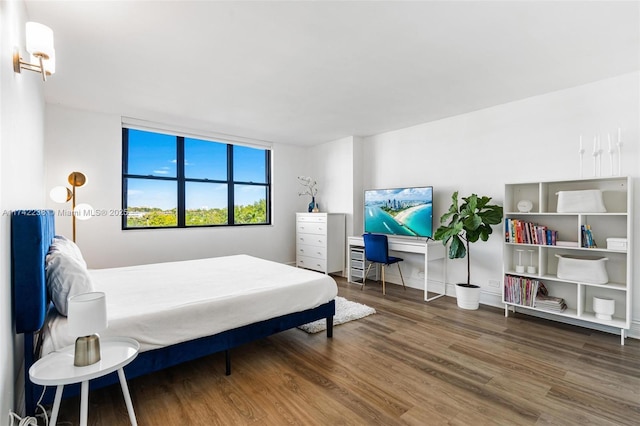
(87, 350)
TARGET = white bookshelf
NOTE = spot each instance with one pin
(617, 222)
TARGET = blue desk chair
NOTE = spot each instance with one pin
(376, 250)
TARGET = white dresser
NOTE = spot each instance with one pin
(320, 241)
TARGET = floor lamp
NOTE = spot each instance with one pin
(62, 194)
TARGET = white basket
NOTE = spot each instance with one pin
(586, 201)
(584, 269)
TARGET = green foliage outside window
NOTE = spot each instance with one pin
(146, 217)
(253, 213)
(201, 217)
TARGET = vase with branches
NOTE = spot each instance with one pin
(310, 186)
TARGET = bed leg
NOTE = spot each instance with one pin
(29, 388)
(330, 327)
(227, 362)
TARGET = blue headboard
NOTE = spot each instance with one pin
(32, 232)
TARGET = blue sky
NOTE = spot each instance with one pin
(154, 154)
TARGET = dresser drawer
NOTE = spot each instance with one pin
(312, 263)
(318, 240)
(312, 218)
(311, 251)
(312, 228)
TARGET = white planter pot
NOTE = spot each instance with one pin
(468, 297)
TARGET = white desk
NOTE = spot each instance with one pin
(432, 250)
(57, 369)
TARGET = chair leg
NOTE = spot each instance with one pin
(383, 284)
(365, 275)
(401, 277)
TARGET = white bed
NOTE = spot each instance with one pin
(167, 303)
(219, 304)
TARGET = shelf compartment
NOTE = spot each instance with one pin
(525, 191)
(614, 192)
(604, 226)
(616, 265)
(517, 227)
(620, 310)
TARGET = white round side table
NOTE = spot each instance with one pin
(57, 369)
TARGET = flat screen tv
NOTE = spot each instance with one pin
(399, 211)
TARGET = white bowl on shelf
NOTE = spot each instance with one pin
(604, 308)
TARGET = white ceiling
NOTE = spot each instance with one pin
(312, 72)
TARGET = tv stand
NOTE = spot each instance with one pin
(432, 250)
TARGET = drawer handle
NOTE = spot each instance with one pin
(302, 250)
(318, 252)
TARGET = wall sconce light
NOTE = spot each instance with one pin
(62, 194)
(40, 46)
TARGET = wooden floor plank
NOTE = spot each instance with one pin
(411, 363)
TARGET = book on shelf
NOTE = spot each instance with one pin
(550, 303)
(587, 237)
(520, 290)
(532, 293)
(522, 232)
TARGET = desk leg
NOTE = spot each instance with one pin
(426, 278)
(127, 397)
(56, 405)
(84, 403)
(426, 274)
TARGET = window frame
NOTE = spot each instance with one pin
(181, 180)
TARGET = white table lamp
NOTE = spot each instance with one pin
(87, 316)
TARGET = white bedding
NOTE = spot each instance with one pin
(166, 303)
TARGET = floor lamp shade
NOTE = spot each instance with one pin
(87, 316)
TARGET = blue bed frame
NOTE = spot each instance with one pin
(32, 232)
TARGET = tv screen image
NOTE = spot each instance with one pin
(399, 211)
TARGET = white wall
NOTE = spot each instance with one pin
(332, 166)
(528, 140)
(92, 143)
(21, 179)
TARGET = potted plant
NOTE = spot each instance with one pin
(462, 225)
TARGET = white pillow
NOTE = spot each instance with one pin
(66, 246)
(66, 276)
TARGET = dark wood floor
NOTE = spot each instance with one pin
(411, 363)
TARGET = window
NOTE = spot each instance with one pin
(176, 182)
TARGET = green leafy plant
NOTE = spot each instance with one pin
(467, 223)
